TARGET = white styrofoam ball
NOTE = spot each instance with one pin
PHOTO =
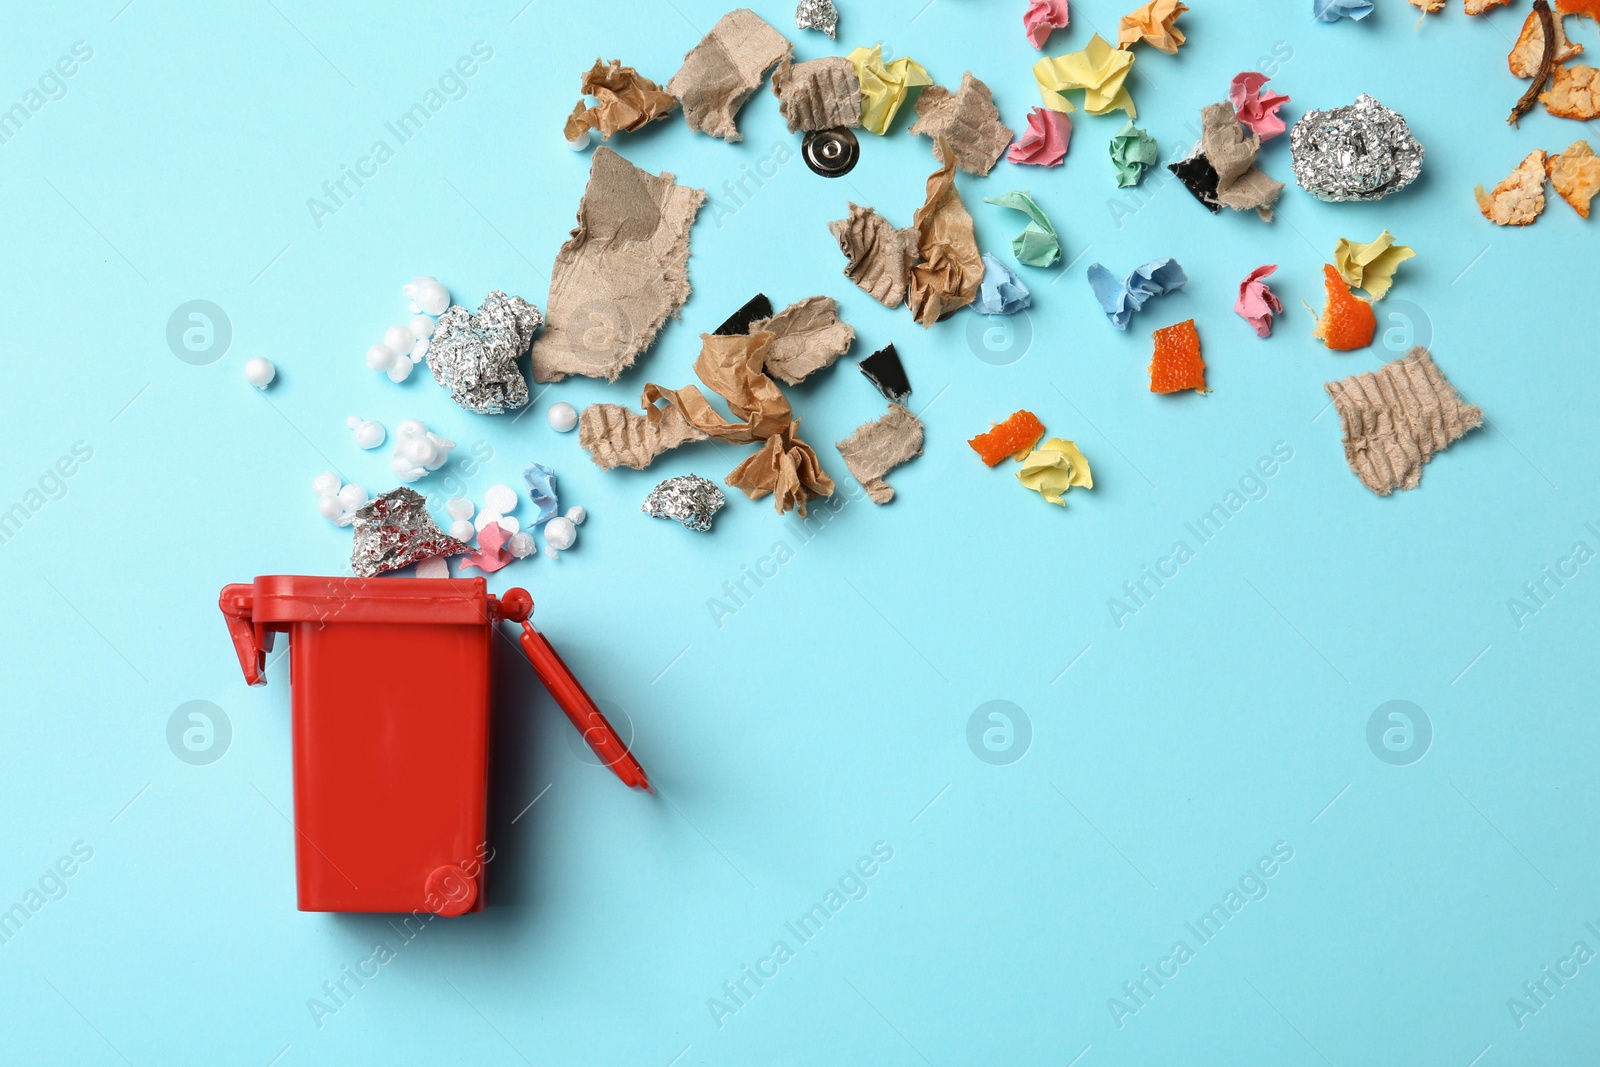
(562, 416)
(369, 432)
(345, 518)
(484, 518)
(462, 530)
(509, 523)
(353, 496)
(411, 427)
(434, 567)
(428, 296)
(577, 514)
(419, 351)
(379, 357)
(550, 552)
(403, 468)
(398, 339)
(259, 372)
(501, 498)
(458, 507)
(399, 370)
(581, 142)
(521, 545)
(325, 484)
(419, 450)
(421, 327)
(328, 506)
(560, 533)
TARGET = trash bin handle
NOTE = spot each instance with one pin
(251, 640)
(570, 695)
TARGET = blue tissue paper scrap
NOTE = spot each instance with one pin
(1001, 292)
(541, 490)
(1121, 299)
(1334, 10)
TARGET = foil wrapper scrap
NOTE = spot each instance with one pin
(1362, 151)
(474, 356)
(690, 499)
(395, 530)
(817, 15)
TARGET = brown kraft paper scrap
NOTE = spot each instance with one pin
(1396, 417)
(818, 95)
(965, 122)
(946, 278)
(731, 367)
(1240, 185)
(616, 437)
(628, 101)
(807, 336)
(878, 257)
(719, 74)
(621, 274)
(876, 448)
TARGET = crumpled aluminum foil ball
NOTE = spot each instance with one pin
(395, 530)
(1362, 151)
(474, 356)
(817, 15)
(690, 499)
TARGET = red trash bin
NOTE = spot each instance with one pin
(389, 682)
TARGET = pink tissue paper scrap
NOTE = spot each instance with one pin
(492, 553)
(1257, 113)
(1257, 303)
(1043, 16)
(1045, 142)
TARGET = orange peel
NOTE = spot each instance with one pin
(1176, 363)
(1348, 322)
(1015, 437)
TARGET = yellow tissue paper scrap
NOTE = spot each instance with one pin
(1099, 70)
(1370, 266)
(884, 87)
(1053, 468)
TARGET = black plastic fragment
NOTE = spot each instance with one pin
(1200, 178)
(885, 371)
(757, 307)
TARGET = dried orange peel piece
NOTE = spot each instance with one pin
(1176, 364)
(1579, 7)
(1574, 93)
(1478, 7)
(1348, 322)
(1519, 199)
(1575, 174)
(1527, 53)
(1015, 438)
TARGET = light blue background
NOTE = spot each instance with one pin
(830, 711)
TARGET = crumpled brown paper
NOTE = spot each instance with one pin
(719, 74)
(878, 257)
(1240, 185)
(950, 268)
(806, 337)
(623, 271)
(819, 94)
(877, 447)
(617, 437)
(628, 101)
(966, 122)
(731, 367)
(1396, 417)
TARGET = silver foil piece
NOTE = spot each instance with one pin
(474, 356)
(1362, 151)
(394, 531)
(690, 499)
(817, 15)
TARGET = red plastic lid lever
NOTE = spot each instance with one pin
(570, 694)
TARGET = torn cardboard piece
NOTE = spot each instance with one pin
(626, 101)
(617, 437)
(621, 274)
(878, 447)
(807, 336)
(964, 122)
(950, 269)
(1397, 418)
(1240, 184)
(719, 74)
(820, 94)
(878, 257)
